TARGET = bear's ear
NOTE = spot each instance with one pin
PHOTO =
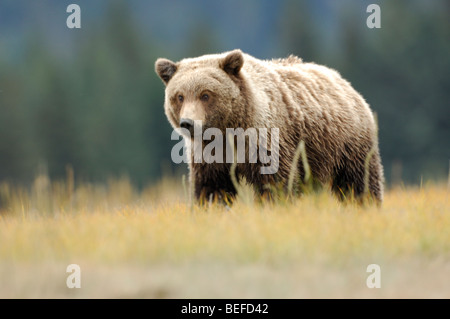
(233, 62)
(165, 69)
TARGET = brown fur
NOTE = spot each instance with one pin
(305, 101)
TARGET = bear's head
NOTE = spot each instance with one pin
(207, 89)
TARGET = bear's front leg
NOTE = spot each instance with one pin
(212, 184)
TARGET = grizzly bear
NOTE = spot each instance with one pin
(305, 101)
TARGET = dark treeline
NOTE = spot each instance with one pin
(99, 107)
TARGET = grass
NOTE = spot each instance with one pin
(153, 243)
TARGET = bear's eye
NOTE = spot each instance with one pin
(204, 97)
(180, 98)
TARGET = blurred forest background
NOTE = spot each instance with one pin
(89, 98)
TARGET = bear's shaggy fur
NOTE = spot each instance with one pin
(305, 101)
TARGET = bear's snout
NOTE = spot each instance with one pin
(187, 124)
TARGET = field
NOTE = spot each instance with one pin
(154, 244)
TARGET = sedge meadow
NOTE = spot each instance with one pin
(152, 243)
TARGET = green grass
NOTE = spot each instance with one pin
(154, 244)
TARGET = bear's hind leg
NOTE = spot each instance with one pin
(349, 180)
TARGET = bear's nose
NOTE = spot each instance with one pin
(187, 124)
